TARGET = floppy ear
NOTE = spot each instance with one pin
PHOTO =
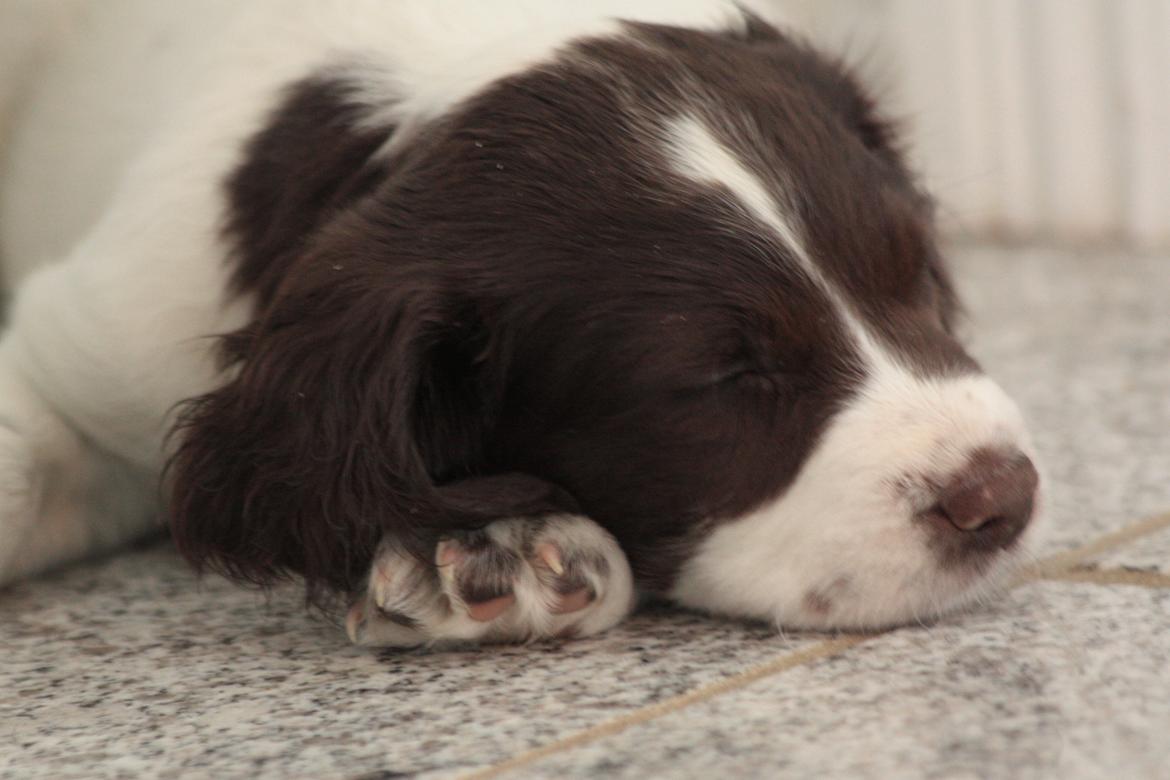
(359, 388)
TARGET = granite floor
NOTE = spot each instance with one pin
(128, 667)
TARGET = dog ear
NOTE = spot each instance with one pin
(836, 80)
(358, 388)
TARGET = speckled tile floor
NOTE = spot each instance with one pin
(129, 668)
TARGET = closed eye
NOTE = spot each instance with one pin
(753, 378)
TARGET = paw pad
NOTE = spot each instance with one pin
(510, 581)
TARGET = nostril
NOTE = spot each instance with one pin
(993, 494)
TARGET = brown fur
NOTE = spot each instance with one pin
(522, 310)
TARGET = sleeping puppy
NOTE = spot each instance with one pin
(490, 316)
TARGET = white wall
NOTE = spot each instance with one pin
(1032, 119)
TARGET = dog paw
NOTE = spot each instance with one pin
(512, 581)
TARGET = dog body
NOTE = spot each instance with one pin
(490, 314)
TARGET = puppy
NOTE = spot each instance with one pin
(490, 316)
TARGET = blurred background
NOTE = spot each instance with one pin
(1032, 120)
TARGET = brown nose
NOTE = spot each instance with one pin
(991, 497)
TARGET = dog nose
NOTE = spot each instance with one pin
(991, 498)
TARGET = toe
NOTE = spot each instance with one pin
(550, 555)
(478, 574)
(563, 577)
(484, 611)
(575, 601)
(355, 622)
(382, 585)
(448, 553)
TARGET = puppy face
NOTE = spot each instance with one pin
(738, 353)
(685, 277)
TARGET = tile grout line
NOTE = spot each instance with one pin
(1138, 577)
(1061, 563)
(607, 728)
(1059, 567)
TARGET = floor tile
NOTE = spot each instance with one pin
(1058, 680)
(1149, 553)
(128, 665)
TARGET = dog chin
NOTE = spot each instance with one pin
(892, 577)
(883, 600)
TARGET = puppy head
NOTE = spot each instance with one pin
(683, 276)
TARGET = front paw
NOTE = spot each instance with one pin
(513, 581)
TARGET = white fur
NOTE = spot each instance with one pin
(844, 533)
(114, 92)
(111, 205)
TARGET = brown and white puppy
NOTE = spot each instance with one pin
(519, 309)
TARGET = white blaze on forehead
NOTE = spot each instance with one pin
(697, 154)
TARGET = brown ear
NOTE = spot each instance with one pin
(350, 395)
(837, 82)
